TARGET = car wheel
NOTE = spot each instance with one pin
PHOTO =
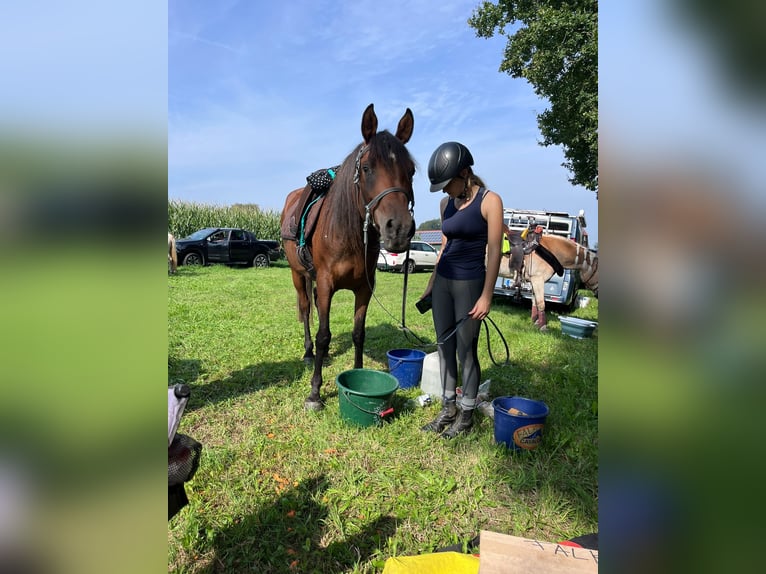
(193, 258)
(410, 266)
(261, 260)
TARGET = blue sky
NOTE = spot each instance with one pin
(260, 94)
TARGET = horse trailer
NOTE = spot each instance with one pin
(560, 290)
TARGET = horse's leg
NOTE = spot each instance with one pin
(527, 265)
(323, 299)
(303, 288)
(361, 301)
(538, 302)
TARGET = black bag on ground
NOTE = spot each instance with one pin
(183, 451)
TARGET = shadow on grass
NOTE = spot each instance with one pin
(259, 376)
(183, 370)
(287, 536)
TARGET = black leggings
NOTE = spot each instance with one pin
(452, 300)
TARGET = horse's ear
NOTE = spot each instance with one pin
(406, 124)
(369, 123)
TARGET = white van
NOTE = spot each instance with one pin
(560, 290)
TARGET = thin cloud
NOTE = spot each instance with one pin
(205, 41)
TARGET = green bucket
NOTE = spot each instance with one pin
(364, 396)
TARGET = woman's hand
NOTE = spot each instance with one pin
(481, 308)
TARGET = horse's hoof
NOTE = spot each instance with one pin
(308, 360)
(543, 328)
(310, 405)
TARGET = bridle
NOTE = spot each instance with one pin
(372, 204)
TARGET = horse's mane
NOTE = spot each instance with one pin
(385, 152)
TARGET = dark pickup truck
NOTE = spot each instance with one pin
(226, 245)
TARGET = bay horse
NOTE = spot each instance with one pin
(537, 271)
(369, 201)
(172, 255)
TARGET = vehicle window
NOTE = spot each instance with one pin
(199, 235)
(560, 226)
(218, 236)
(237, 234)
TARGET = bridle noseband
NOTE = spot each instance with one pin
(373, 203)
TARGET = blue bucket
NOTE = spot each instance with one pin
(519, 422)
(407, 366)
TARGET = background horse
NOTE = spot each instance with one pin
(172, 255)
(537, 271)
(369, 201)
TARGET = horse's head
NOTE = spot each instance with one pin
(383, 175)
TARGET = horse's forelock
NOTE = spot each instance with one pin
(388, 151)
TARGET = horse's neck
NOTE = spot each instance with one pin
(583, 256)
(349, 230)
(583, 259)
(570, 254)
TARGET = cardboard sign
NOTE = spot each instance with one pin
(503, 554)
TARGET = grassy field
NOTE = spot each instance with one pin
(280, 489)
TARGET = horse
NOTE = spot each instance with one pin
(537, 271)
(172, 255)
(369, 201)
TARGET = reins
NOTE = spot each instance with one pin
(486, 330)
(424, 344)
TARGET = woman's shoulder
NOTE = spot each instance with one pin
(443, 205)
(491, 200)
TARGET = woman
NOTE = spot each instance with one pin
(463, 281)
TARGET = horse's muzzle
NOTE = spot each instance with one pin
(395, 236)
(395, 231)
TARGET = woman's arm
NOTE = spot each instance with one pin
(492, 210)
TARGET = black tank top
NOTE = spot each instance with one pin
(464, 256)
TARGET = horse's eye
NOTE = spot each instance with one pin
(366, 168)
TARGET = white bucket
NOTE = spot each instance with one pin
(431, 381)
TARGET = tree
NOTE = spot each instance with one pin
(555, 48)
(431, 224)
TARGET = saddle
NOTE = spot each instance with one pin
(301, 220)
(523, 243)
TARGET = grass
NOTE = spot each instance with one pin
(280, 489)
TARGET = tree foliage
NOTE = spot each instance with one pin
(554, 46)
(430, 225)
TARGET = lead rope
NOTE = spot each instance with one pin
(424, 344)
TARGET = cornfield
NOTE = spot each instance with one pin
(185, 218)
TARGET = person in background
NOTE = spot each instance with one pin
(463, 281)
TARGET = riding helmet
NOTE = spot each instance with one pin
(446, 162)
